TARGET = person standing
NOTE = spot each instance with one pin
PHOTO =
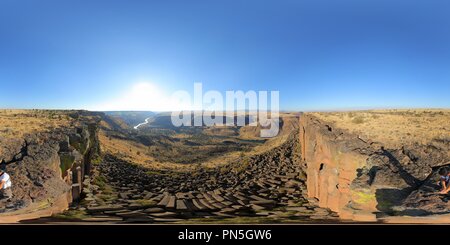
(5, 186)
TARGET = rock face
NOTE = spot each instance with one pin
(361, 180)
(269, 185)
(47, 168)
(319, 173)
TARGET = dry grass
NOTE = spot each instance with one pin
(290, 125)
(136, 152)
(393, 128)
(17, 123)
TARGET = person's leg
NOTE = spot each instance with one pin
(8, 193)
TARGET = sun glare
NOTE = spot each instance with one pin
(142, 96)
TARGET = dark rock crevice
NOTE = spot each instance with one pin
(18, 156)
(379, 180)
(406, 178)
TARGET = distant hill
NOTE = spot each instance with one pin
(163, 120)
(132, 118)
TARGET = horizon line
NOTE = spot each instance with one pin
(343, 109)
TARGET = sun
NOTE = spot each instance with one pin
(142, 96)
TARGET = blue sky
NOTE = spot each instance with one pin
(319, 54)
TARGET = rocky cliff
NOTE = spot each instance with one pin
(265, 187)
(362, 180)
(47, 168)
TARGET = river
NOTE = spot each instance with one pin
(140, 124)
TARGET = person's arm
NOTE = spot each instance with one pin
(2, 183)
(445, 188)
(443, 185)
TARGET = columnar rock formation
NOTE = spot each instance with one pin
(362, 180)
(332, 165)
(316, 171)
(47, 168)
(270, 186)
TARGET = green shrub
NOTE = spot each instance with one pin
(66, 162)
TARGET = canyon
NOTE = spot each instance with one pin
(318, 170)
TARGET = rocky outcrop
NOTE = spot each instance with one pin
(332, 164)
(269, 186)
(316, 171)
(362, 180)
(47, 168)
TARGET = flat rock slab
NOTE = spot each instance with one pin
(227, 203)
(207, 204)
(164, 215)
(238, 207)
(287, 190)
(181, 205)
(164, 201)
(258, 198)
(218, 205)
(243, 202)
(167, 220)
(209, 197)
(131, 214)
(123, 195)
(139, 220)
(172, 202)
(240, 197)
(157, 198)
(103, 208)
(257, 207)
(294, 183)
(299, 209)
(217, 197)
(180, 195)
(116, 211)
(223, 215)
(199, 205)
(153, 210)
(102, 219)
(231, 198)
(265, 203)
(148, 195)
(135, 206)
(228, 210)
(202, 204)
(275, 182)
(190, 206)
(263, 214)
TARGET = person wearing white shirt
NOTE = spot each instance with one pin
(5, 185)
